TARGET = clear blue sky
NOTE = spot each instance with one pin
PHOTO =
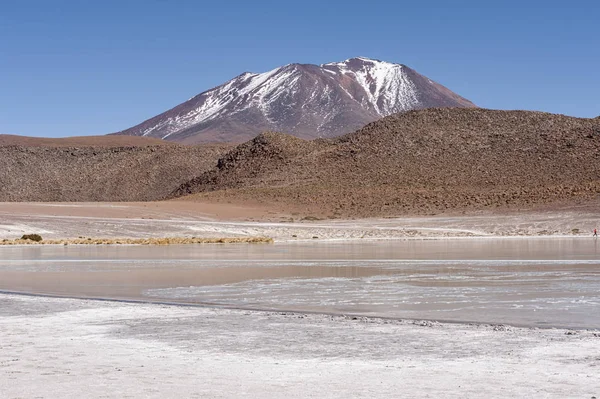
(71, 67)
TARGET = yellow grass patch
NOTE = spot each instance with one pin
(142, 241)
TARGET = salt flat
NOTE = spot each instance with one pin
(72, 348)
(316, 340)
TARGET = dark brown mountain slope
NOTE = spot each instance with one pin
(417, 162)
(97, 168)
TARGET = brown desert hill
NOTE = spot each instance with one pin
(104, 168)
(79, 141)
(424, 161)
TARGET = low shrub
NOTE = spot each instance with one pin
(311, 218)
(32, 237)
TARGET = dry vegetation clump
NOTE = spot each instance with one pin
(32, 237)
(142, 241)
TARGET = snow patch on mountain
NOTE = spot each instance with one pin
(327, 99)
(243, 92)
(387, 86)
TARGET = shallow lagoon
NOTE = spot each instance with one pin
(535, 281)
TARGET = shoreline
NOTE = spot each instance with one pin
(349, 315)
(207, 220)
(161, 241)
(168, 241)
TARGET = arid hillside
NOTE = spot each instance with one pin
(423, 162)
(418, 162)
(106, 168)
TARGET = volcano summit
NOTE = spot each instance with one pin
(307, 101)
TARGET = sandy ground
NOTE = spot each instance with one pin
(184, 218)
(72, 348)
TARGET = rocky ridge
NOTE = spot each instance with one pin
(426, 161)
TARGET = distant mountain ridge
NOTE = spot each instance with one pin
(307, 101)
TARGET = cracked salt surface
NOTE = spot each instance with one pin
(70, 348)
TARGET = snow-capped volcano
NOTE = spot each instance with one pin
(305, 100)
